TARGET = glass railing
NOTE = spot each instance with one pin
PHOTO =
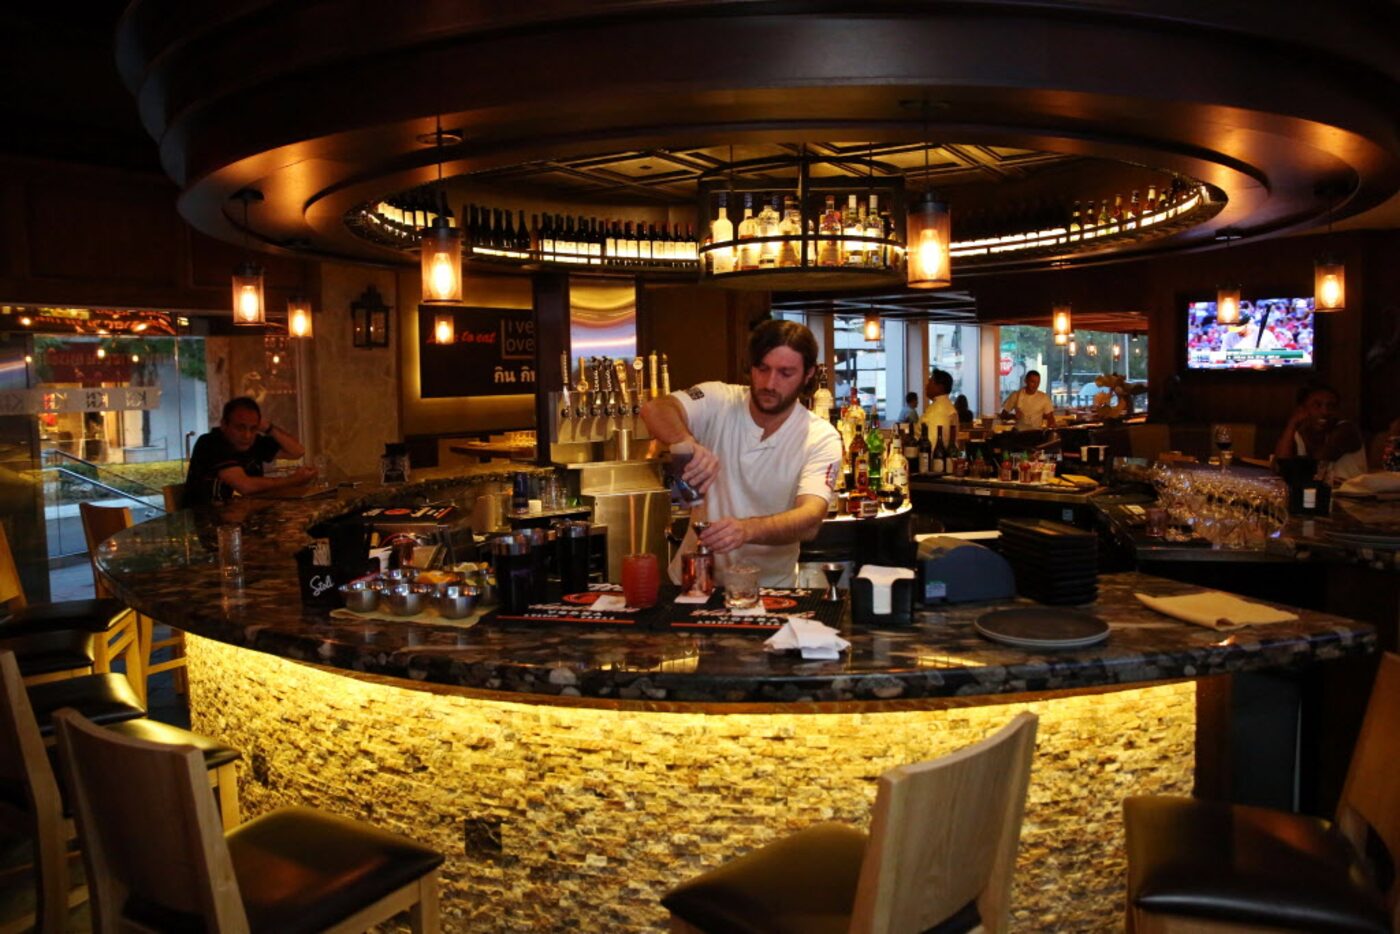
(70, 480)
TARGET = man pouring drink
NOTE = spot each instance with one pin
(765, 466)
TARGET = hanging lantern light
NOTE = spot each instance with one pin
(444, 329)
(929, 229)
(1329, 285)
(299, 323)
(1073, 346)
(1227, 304)
(1061, 324)
(1093, 350)
(1117, 350)
(873, 330)
(249, 306)
(441, 256)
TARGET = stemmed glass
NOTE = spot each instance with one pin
(1224, 442)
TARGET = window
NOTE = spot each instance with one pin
(954, 347)
(1069, 377)
(859, 363)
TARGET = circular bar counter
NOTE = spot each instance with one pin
(572, 776)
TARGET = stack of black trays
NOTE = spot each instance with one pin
(1054, 563)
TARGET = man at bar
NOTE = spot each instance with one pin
(1028, 407)
(941, 413)
(766, 465)
(1317, 430)
(230, 458)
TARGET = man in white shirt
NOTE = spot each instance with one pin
(766, 465)
(1031, 409)
(941, 413)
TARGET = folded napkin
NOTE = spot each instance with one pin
(881, 582)
(1382, 481)
(609, 603)
(815, 640)
(1216, 610)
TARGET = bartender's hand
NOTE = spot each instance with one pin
(702, 469)
(725, 535)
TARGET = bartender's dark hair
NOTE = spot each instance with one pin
(240, 402)
(773, 333)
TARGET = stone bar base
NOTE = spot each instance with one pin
(572, 818)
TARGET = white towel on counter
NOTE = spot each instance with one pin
(1370, 484)
(814, 639)
(882, 584)
(609, 603)
(1216, 610)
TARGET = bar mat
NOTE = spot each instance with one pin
(667, 615)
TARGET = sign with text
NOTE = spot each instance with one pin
(53, 401)
(491, 353)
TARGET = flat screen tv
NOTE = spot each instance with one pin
(1272, 334)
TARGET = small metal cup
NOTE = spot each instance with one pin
(360, 597)
(457, 601)
(407, 599)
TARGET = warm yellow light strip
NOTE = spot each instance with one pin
(539, 807)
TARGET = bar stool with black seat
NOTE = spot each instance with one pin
(291, 871)
(939, 858)
(1207, 866)
(65, 639)
(99, 524)
(32, 801)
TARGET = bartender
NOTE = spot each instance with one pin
(766, 465)
(1028, 407)
(230, 458)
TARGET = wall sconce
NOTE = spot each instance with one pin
(1093, 350)
(1061, 324)
(1329, 285)
(928, 229)
(444, 329)
(1227, 305)
(873, 331)
(299, 324)
(249, 306)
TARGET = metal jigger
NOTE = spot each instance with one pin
(833, 571)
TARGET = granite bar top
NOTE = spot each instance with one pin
(165, 568)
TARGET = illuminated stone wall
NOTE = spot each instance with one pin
(559, 818)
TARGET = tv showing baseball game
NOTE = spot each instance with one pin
(1271, 334)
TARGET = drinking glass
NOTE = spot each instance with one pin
(231, 553)
(641, 580)
(741, 586)
(1223, 441)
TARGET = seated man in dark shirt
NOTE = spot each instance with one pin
(230, 458)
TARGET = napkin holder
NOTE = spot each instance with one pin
(955, 571)
(901, 603)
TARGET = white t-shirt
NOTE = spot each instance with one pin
(1030, 410)
(758, 476)
(1351, 464)
(940, 411)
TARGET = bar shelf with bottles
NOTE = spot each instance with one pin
(501, 235)
(824, 233)
(1097, 222)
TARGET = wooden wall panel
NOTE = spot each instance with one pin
(95, 233)
(703, 330)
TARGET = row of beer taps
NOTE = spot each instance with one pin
(603, 387)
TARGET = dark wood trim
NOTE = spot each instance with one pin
(551, 306)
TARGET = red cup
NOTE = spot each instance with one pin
(641, 580)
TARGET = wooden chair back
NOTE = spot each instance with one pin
(11, 588)
(174, 496)
(1242, 438)
(1371, 796)
(25, 764)
(99, 524)
(944, 833)
(148, 826)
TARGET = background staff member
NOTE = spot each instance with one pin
(767, 465)
(1316, 430)
(230, 458)
(1031, 409)
(941, 413)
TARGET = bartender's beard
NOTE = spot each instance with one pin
(771, 403)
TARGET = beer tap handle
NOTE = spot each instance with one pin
(566, 411)
(651, 365)
(639, 376)
(665, 377)
(620, 373)
(596, 408)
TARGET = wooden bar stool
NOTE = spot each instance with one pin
(174, 494)
(291, 871)
(44, 634)
(1207, 866)
(99, 524)
(32, 800)
(939, 858)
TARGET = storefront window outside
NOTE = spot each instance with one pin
(860, 363)
(954, 347)
(1069, 378)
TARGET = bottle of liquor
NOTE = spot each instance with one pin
(610, 242)
(938, 459)
(860, 467)
(1074, 223)
(768, 224)
(1115, 217)
(1132, 212)
(1089, 221)
(852, 251)
(722, 231)
(822, 400)
(875, 231)
(522, 236)
(909, 446)
(748, 229)
(1151, 207)
(1105, 218)
(875, 442)
(897, 468)
(925, 459)
(597, 236)
(536, 235)
(789, 253)
(829, 249)
(663, 248)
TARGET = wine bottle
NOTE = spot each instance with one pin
(852, 251)
(722, 231)
(875, 443)
(748, 229)
(535, 241)
(925, 457)
(938, 460)
(829, 249)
